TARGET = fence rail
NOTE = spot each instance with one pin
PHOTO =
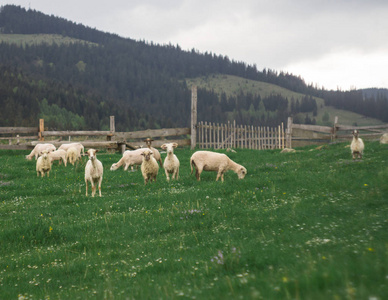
(230, 135)
(298, 135)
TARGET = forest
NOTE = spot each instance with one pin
(79, 85)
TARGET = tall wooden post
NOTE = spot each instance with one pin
(334, 131)
(193, 116)
(111, 128)
(289, 133)
(41, 129)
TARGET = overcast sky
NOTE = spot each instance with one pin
(331, 43)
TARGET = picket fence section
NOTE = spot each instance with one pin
(230, 135)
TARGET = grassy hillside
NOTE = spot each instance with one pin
(37, 39)
(233, 86)
(308, 225)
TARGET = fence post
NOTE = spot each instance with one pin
(289, 133)
(193, 116)
(334, 131)
(41, 129)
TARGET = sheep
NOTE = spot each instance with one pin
(129, 158)
(93, 172)
(384, 139)
(357, 145)
(155, 151)
(60, 155)
(149, 166)
(73, 155)
(212, 161)
(78, 146)
(43, 164)
(171, 162)
(39, 148)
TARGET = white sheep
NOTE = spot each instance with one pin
(171, 162)
(212, 161)
(60, 155)
(149, 167)
(357, 145)
(77, 146)
(93, 172)
(129, 158)
(39, 148)
(73, 155)
(43, 164)
(384, 139)
(155, 151)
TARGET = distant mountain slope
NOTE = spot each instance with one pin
(144, 83)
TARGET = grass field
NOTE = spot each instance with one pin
(305, 225)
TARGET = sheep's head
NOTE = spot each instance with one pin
(44, 154)
(355, 133)
(147, 154)
(92, 154)
(242, 172)
(169, 147)
(114, 167)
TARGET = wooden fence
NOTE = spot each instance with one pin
(18, 140)
(298, 135)
(221, 136)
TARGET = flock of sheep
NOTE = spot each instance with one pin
(148, 159)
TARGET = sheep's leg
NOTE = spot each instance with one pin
(99, 186)
(48, 174)
(167, 175)
(198, 172)
(86, 183)
(219, 174)
(177, 174)
(93, 187)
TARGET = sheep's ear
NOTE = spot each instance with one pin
(174, 145)
(96, 150)
(164, 146)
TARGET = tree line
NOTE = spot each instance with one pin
(141, 83)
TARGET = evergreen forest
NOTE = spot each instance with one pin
(77, 85)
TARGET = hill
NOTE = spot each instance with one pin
(44, 59)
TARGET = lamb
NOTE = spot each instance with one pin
(39, 148)
(60, 155)
(43, 164)
(212, 161)
(93, 172)
(155, 151)
(357, 145)
(78, 146)
(149, 166)
(171, 162)
(129, 158)
(73, 154)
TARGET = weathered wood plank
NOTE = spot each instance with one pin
(16, 130)
(151, 133)
(346, 127)
(15, 147)
(312, 128)
(76, 133)
(158, 143)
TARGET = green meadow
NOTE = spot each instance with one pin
(306, 225)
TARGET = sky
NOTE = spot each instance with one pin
(334, 44)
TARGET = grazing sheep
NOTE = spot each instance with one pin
(171, 162)
(129, 158)
(77, 146)
(149, 166)
(73, 155)
(93, 172)
(155, 151)
(60, 155)
(357, 145)
(43, 164)
(212, 161)
(384, 139)
(39, 148)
